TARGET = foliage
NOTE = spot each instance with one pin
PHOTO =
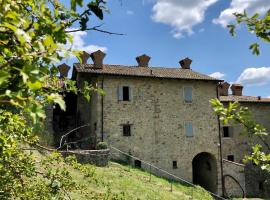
(236, 114)
(102, 145)
(260, 26)
(117, 182)
(33, 35)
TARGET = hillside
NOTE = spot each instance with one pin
(122, 182)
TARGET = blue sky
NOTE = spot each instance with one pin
(169, 30)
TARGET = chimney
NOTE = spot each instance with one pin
(185, 63)
(237, 89)
(223, 88)
(97, 58)
(143, 60)
(84, 57)
(63, 70)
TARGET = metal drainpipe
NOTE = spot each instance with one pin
(102, 110)
(220, 150)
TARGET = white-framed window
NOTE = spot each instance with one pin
(124, 93)
(189, 129)
(188, 94)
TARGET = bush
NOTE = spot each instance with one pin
(102, 145)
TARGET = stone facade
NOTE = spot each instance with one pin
(157, 114)
(239, 144)
(155, 123)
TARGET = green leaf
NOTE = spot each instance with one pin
(3, 76)
(96, 10)
(34, 85)
(58, 99)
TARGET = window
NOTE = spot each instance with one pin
(227, 131)
(174, 164)
(230, 158)
(126, 130)
(138, 163)
(261, 188)
(124, 93)
(188, 94)
(189, 129)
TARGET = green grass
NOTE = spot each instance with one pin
(123, 182)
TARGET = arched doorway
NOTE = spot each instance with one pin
(204, 167)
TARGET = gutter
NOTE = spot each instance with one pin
(220, 151)
(102, 111)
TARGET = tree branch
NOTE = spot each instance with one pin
(95, 28)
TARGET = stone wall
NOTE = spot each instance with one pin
(96, 157)
(256, 184)
(234, 179)
(157, 114)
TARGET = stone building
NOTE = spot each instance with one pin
(160, 115)
(236, 143)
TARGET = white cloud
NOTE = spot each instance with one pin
(251, 6)
(80, 44)
(255, 76)
(217, 75)
(181, 15)
(130, 12)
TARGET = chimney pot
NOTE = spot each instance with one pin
(223, 88)
(63, 70)
(143, 60)
(237, 89)
(185, 63)
(84, 57)
(97, 58)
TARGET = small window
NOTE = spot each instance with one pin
(188, 94)
(138, 163)
(124, 93)
(227, 131)
(261, 188)
(189, 129)
(95, 126)
(174, 163)
(126, 130)
(230, 158)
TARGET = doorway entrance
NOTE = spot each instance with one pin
(204, 167)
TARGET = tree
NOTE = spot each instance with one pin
(260, 26)
(33, 35)
(234, 113)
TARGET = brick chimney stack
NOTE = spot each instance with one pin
(143, 60)
(185, 63)
(84, 57)
(223, 88)
(97, 58)
(63, 70)
(237, 89)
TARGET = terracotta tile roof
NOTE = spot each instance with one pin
(248, 99)
(155, 72)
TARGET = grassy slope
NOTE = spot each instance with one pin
(131, 183)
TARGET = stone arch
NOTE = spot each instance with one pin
(204, 168)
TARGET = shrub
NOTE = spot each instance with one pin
(102, 145)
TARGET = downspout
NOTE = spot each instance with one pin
(220, 150)
(102, 110)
